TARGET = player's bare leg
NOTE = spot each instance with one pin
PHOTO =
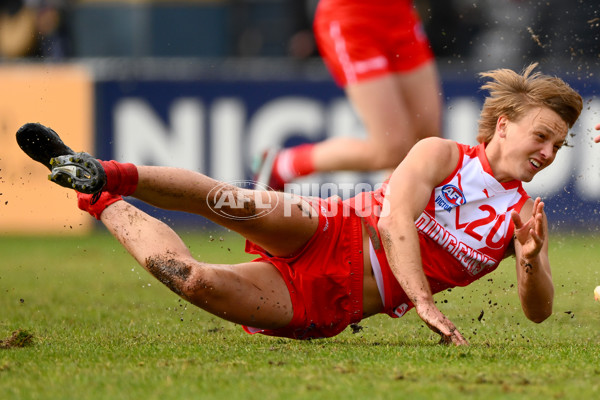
(251, 293)
(397, 111)
(279, 223)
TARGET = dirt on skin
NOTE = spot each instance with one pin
(19, 338)
(170, 271)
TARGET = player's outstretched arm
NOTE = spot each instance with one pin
(534, 278)
(427, 164)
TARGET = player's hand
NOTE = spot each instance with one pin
(597, 138)
(531, 234)
(437, 322)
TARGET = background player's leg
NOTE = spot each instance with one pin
(251, 294)
(397, 111)
(422, 92)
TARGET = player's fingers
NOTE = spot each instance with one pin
(516, 219)
(459, 340)
(541, 229)
(444, 339)
(540, 205)
(453, 337)
(597, 139)
(539, 226)
(536, 238)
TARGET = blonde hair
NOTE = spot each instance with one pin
(513, 95)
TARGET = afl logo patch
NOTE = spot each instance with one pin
(401, 310)
(453, 195)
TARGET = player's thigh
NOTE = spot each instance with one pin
(383, 110)
(252, 293)
(422, 94)
(284, 222)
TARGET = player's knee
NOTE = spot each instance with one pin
(234, 202)
(196, 282)
(169, 270)
(183, 275)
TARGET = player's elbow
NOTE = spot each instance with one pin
(539, 318)
(540, 313)
(537, 302)
(391, 228)
(384, 226)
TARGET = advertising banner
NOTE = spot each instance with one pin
(219, 127)
(57, 96)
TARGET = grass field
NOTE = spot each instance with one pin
(105, 329)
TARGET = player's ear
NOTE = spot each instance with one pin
(501, 125)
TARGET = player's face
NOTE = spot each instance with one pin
(532, 142)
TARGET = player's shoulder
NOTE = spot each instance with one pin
(437, 143)
(437, 150)
(432, 159)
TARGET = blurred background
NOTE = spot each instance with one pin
(209, 84)
(473, 34)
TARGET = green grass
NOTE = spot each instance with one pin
(105, 329)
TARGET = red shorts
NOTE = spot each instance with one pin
(363, 39)
(325, 279)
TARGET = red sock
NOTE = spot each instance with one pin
(303, 160)
(275, 181)
(95, 208)
(121, 178)
(294, 162)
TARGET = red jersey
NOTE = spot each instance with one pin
(464, 231)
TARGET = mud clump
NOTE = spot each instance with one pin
(19, 338)
(356, 328)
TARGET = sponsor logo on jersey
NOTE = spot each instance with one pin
(451, 197)
(471, 259)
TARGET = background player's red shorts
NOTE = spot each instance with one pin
(325, 279)
(363, 39)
